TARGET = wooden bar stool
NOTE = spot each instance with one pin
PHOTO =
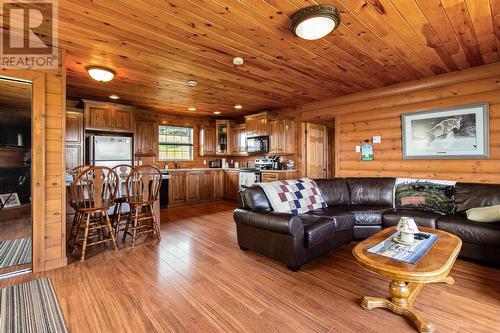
(72, 203)
(94, 191)
(120, 217)
(143, 188)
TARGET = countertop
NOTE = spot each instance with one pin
(225, 169)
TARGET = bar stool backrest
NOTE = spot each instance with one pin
(143, 184)
(95, 188)
(122, 171)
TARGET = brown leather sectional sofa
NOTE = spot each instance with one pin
(358, 208)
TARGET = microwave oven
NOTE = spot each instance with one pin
(258, 144)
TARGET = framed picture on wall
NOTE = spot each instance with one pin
(9, 200)
(460, 132)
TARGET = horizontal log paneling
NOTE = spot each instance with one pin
(371, 113)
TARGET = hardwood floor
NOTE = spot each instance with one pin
(198, 280)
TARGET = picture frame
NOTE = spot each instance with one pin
(460, 132)
(9, 200)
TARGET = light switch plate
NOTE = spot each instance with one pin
(377, 139)
(358, 149)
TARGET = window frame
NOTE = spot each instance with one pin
(166, 143)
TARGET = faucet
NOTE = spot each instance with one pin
(176, 165)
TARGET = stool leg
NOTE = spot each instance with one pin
(129, 220)
(86, 234)
(108, 223)
(118, 220)
(156, 227)
(134, 229)
(74, 226)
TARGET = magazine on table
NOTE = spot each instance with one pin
(405, 253)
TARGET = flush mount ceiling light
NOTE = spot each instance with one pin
(315, 22)
(101, 74)
(238, 61)
(216, 112)
(191, 109)
(238, 106)
(114, 97)
(192, 83)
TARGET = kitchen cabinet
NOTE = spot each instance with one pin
(146, 135)
(193, 185)
(274, 176)
(218, 183)
(238, 137)
(231, 185)
(102, 116)
(257, 124)
(177, 188)
(74, 139)
(206, 185)
(281, 136)
(208, 141)
(223, 137)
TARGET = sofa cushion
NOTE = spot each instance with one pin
(425, 194)
(422, 218)
(468, 195)
(487, 234)
(367, 214)
(317, 229)
(372, 191)
(334, 191)
(254, 198)
(343, 220)
(484, 214)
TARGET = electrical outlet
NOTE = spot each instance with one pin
(377, 139)
(358, 149)
(204, 162)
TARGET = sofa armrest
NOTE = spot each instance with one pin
(282, 223)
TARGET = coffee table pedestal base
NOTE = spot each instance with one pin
(402, 296)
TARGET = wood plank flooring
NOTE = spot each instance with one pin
(198, 280)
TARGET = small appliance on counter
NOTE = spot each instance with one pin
(265, 163)
(214, 164)
(290, 165)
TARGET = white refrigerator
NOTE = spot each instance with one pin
(110, 151)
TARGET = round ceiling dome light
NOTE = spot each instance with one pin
(191, 109)
(114, 96)
(192, 83)
(238, 61)
(238, 106)
(315, 22)
(216, 112)
(101, 74)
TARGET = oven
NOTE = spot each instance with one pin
(258, 144)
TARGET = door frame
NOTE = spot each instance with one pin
(303, 149)
(38, 119)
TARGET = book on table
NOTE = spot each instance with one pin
(406, 253)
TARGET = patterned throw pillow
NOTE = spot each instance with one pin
(422, 194)
(294, 196)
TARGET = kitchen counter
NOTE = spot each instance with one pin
(225, 169)
(279, 171)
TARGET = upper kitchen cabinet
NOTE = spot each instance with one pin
(74, 138)
(223, 137)
(208, 141)
(102, 116)
(238, 142)
(281, 136)
(146, 135)
(257, 124)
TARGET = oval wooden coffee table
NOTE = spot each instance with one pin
(407, 279)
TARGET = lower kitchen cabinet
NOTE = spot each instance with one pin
(231, 187)
(189, 187)
(273, 176)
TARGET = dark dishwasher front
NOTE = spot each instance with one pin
(164, 191)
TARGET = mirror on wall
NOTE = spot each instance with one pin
(15, 176)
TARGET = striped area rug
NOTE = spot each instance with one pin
(15, 252)
(31, 307)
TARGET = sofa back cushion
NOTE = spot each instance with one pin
(472, 195)
(371, 191)
(254, 198)
(334, 191)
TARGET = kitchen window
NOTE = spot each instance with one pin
(176, 143)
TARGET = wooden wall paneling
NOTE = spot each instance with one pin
(358, 119)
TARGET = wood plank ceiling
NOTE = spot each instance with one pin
(155, 46)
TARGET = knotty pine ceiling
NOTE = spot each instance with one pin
(155, 46)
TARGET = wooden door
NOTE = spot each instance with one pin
(193, 185)
(74, 139)
(316, 154)
(177, 187)
(206, 185)
(218, 184)
(146, 138)
(123, 119)
(99, 117)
